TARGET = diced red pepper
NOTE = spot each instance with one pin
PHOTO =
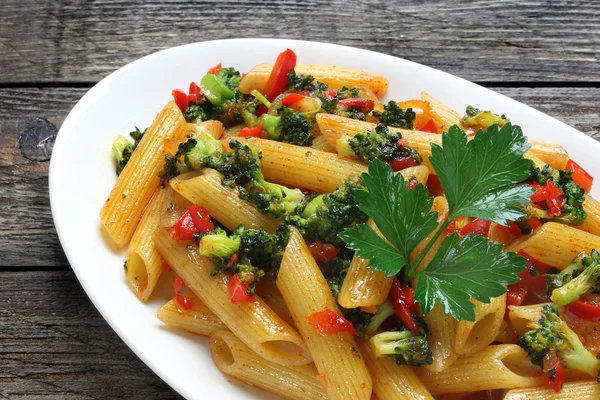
(256, 132)
(534, 223)
(404, 304)
(516, 294)
(429, 127)
(557, 378)
(412, 183)
(238, 292)
(214, 70)
(539, 195)
(322, 251)
(328, 322)
(476, 227)
(584, 309)
(192, 222)
(580, 175)
(277, 82)
(512, 228)
(194, 94)
(402, 163)
(434, 186)
(451, 228)
(362, 103)
(532, 278)
(181, 99)
(330, 94)
(304, 93)
(291, 99)
(201, 219)
(183, 302)
(554, 198)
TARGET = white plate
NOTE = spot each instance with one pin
(82, 174)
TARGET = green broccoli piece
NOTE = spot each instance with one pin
(552, 334)
(301, 82)
(580, 278)
(325, 216)
(482, 119)
(396, 116)
(203, 153)
(289, 126)
(382, 144)
(198, 112)
(405, 346)
(218, 245)
(221, 87)
(262, 248)
(366, 324)
(335, 270)
(123, 149)
(173, 166)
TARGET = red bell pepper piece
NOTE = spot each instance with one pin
(476, 227)
(451, 228)
(404, 304)
(277, 82)
(214, 70)
(412, 183)
(328, 322)
(584, 310)
(401, 163)
(181, 99)
(362, 103)
(534, 223)
(539, 195)
(512, 228)
(557, 376)
(429, 127)
(194, 94)
(323, 251)
(183, 302)
(245, 132)
(291, 99)
(516, 294)
(192, 222)
(434, 186)
(238, 292)
(580, 175)
(532, 280)
(554, 198)
(201, 218)
(330, 94)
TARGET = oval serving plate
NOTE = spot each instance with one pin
(82, 174)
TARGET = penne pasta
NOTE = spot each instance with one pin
(199, 320)
(306, 292)
(139, 179)
(255, 323)
(520, 316)
(335, 77)
(474, 336)
(592, 222)
(321, 143)
(212, 129)
(142, 261)
(504, 366)
(221, 202)
(583, 390)
(235, 359)
(442, 335)
(447, 115)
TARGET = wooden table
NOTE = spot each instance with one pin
(52, 340)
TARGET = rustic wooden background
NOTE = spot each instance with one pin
(53, 343)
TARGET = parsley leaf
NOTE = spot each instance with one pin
(478, 177)
(465, 268)
(401, 214)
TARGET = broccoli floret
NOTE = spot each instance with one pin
(552, 334)
(289, 126)
(198, 112)
(396, 116)
(405, 346)
(173, 166)
(366, 324)
(123, 149)
(482, 119)
(572, 212)
(335, 270)
(218, 245)
(325, 216)
(301, 82)
(580, 278)
(221, 87)
(203, 153)
(262, 248)
(382, 144)
(272, 199)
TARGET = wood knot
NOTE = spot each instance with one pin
(37, 140)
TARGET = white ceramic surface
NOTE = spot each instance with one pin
(82, 174)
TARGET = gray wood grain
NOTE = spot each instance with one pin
(483, 40)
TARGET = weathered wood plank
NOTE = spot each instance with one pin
(492, 41)
(53, 343)
(27, 235)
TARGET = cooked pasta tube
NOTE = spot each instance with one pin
(520, 316)
(474, 336)
(448, 116)
(592, 222)
(139, 179)
(221, 202)
(298, 166)
(213, 129)
(335, 77)
(583, 390)
(199, 320)
(556, 244)
(507, 334)
(142, 262)
(267, 290)
(235, 359)
(442, 335)
(364, 287)
(305, 290)
(504, 366)
(321, 143)
(390, 380)
(255, 323)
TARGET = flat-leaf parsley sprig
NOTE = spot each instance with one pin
(479, 179)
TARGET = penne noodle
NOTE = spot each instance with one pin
(235, 359)
(255, 323)
(442, 335)
(592, 222)
(335, 77)
(566, 244)
(448, 116)
(503, 366)
(221, 202)
(267, 290)
(139, 179)
(321, 143)
(392, 381)
(297, 166)
(507, 334)
(305, 290)
(199, 320)
(583, 390)
(474, 336)
(142, 261)
(520, 316)
(212, 129)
